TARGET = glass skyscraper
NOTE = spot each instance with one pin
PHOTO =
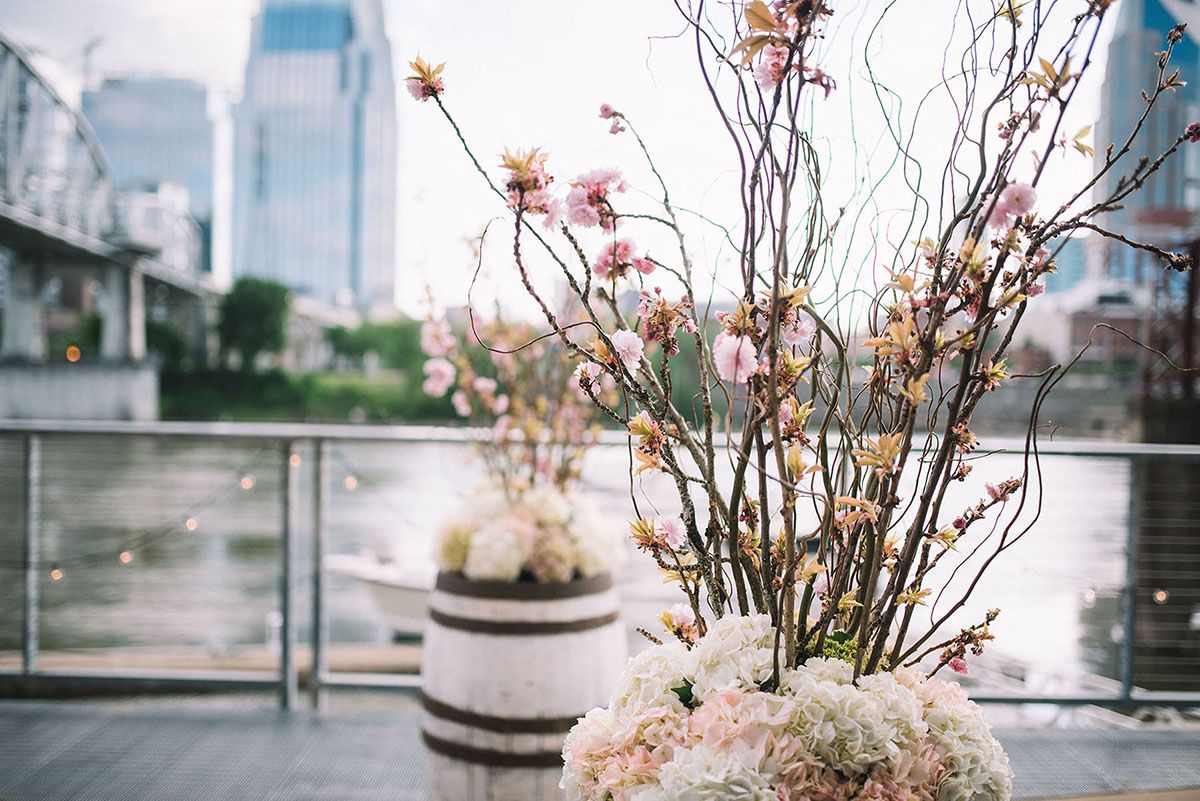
(1160, 212)
(156, 129)
(314, 202)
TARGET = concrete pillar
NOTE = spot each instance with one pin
(24, 336)
(137, 314)
(114, 330)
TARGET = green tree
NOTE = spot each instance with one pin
(253, 319)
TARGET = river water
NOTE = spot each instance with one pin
(213, 582)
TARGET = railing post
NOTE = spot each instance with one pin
(320, 482)
(33, 524)
(287, 634)
(1129, 595)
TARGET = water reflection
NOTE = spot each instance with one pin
(200, 522)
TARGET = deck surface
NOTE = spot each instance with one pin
(180, 749)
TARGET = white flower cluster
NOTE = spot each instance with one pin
(542, 531)
(695, 723)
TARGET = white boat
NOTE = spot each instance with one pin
(400, 592)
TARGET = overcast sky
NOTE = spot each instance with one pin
(519, 73)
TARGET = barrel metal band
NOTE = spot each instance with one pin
(496, 759)
(495, 723)
(521, 626)
(458, 584)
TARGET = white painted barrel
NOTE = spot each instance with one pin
(507, 670)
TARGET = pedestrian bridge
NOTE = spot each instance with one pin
(60, 218)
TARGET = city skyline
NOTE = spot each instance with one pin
(505, 96)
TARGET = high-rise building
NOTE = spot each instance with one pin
(155, 130)
(315, 153)
(1161, 211)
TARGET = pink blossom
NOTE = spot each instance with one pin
(462, 404)
(606, 111)
(484, 385)
(801, 331)
(500, 405)
(616, 127)
(769, 71)
(1192, 132)
(556, 212)
(1018, 199)
(587, 202)
(672, 530)
(436, 339)
(439, 378)
(616, 258)
(1033, 290)
(1000, 219)
(993, 492)
(682, 614)
(958, 665)
(629, 347)
(579, 210)
(734, 357)
(587, 372)
(416, 88)
(501, 427)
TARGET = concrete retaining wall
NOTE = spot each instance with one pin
(103, 391)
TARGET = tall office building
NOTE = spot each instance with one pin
(153, 130)
(1160, 212)
(315, 153)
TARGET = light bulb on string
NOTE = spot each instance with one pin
(126, 557)
(191, 524)
(56, 573)
(294, 460)
(351, 482)
(247, 482)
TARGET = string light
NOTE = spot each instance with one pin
(74, 354)
(294, 460)
(351, 482)
(1161, 596)
(126, 555)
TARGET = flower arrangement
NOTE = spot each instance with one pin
(698, 723)
(813, 511)
(526, 522)
(542, 534)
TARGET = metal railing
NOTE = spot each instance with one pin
(285, 440)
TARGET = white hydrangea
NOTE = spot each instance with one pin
(558, 534)
(586, 746)
(701, 774)
(548, 505)
(650, 677)
(853, 728)
(977, 768)
(737, 652)
(495, 554)
(816, 669)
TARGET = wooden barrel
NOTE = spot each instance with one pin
(507, 669)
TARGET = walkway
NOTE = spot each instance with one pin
(229, 749)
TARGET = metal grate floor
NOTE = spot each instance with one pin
(205, 748)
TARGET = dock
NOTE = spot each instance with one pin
(366, 746)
